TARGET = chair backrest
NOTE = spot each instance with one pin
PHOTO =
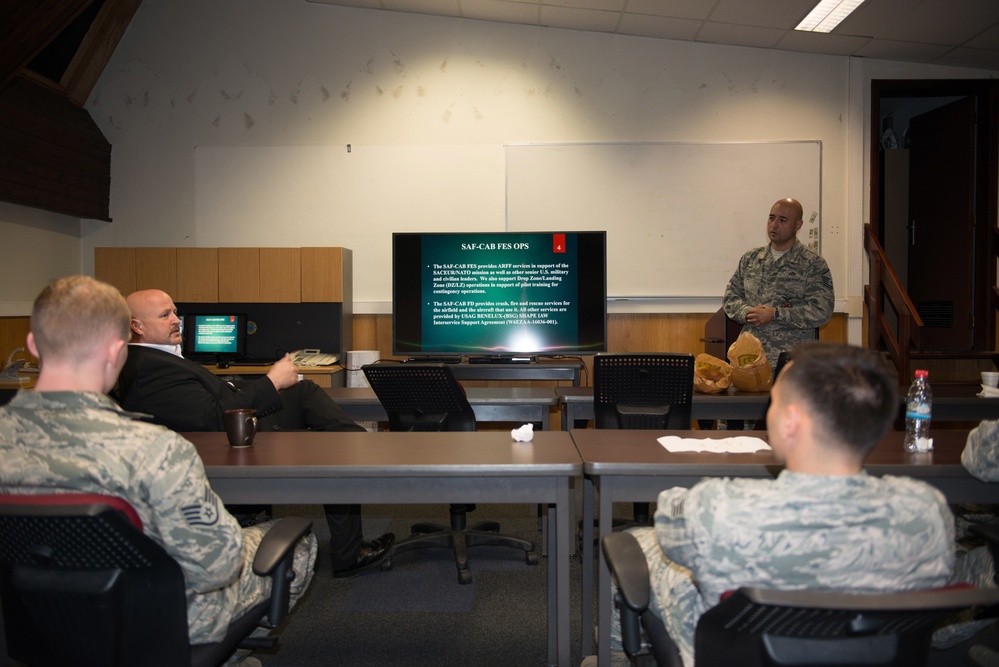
(82, 585)
(420, 397)
(643, 391)
(756, 627)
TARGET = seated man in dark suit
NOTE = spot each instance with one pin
(184, 396)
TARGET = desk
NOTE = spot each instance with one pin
(629, 466)
(490, 404)
(306, 467)
(951, 402)
(324, 376)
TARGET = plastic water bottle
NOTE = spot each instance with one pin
(918, 409)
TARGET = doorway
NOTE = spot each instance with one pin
(934, 180)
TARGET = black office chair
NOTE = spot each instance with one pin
(756, 627)
(82, 585)
(427, 397)
(642, 391)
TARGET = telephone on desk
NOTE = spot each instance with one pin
(313, 358)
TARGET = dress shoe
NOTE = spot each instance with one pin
(371, 554)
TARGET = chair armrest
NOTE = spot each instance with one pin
(627, 566)
(279, 541)
(275, 558)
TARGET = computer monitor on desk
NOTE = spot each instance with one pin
(215, 336)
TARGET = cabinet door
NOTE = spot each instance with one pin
(281, 275)
(326, 274)
(239, 274)
(197, 275)
(117, 267)
(156, 268)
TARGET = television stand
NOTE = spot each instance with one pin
(500, 360)
(434, 360)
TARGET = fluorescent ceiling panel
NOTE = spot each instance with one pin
(827, 15)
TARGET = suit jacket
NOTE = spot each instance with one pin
(183, 395)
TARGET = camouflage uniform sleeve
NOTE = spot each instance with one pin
(819, 299)
(671, 527)
(189, 518)
(734, 302)
(981, 453)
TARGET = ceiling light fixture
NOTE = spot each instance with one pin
(828, 14)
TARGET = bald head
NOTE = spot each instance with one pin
(784, 222)
(154, 318)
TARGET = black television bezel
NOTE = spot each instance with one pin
(188, 347)
(411, 308)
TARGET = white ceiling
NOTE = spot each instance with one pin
(962, 33)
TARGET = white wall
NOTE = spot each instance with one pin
(36, 247)
(255, 73)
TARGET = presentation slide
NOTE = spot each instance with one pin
(527, 286)
(503, 293)
(216, 333)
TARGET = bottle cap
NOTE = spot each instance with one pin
(922, 374)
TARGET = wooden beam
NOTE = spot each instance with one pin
(94, 53)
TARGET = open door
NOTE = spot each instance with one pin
(941, 224)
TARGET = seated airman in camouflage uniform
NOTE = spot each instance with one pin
(68, 435)
(781, 291)
(823, 523)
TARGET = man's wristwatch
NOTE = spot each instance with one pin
(776, 313)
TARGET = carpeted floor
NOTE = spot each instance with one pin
(417, 614)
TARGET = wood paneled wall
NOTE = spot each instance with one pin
(12, 333)
(52, 154)
(626, 333)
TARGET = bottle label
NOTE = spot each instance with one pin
(915, 411)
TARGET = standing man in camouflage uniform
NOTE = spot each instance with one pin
(782, 291)
(822, 523)
(67, 435)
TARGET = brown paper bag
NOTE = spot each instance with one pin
(711, 374)
(750, 369)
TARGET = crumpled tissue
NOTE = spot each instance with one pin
(989, 392)
(523, 434)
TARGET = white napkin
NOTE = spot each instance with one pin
(737, 445)
(523, 434)
(989, 392)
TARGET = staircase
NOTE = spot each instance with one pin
(895, 327)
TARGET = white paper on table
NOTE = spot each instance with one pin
(989, 392)
(736, 445)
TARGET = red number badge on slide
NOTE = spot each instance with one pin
(558, 242)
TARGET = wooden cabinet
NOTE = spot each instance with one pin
(232, 275)
(327, 275)
(197, 275)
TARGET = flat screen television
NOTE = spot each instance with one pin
(214, 336)
(499, 294)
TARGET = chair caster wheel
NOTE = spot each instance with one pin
(464, 577)
(386, 565)
(531, 557)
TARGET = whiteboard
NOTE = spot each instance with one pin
(678, 216)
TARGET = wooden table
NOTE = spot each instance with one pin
(951, 403)
(490, 404)
(626, 466)
(305, 467)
